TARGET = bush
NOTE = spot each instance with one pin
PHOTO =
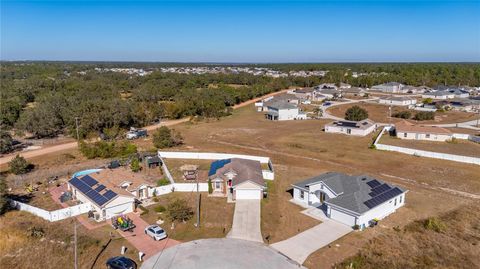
(424, 115)
(356, 113)
(163, 182)
(427, 101)
(144, 210)
(160, 209)
(434, 224)
(19, 165)
(179, 210)
(402, 115)
(210, 187)
(166, 138)
(102, 149)
(3, 195)
(6, 142)
(135, 165)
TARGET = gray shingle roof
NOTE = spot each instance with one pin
(352, 191)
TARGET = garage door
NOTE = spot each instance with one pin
(118, 210)
(248, 194)
(342, 217)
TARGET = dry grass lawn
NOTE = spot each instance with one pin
(380, 113)
(19, 249)
(216, 217)
(458, 147)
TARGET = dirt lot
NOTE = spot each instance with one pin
(174, 166)
(380, 113)
(459, 147)
(216, 217)
(53, 246)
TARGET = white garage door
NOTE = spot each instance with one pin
(342, 217)
(248, 194)
(118, 210)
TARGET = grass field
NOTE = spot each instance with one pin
(459, 147)
(216, 217)
(380, 113)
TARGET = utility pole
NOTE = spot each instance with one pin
(198, 205)
(75, 241)
(76, 124)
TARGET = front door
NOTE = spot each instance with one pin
(322, 197)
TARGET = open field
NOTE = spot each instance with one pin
(459, 147)
(380, 113)
(300, 149)
(216, 217)
(54, 249)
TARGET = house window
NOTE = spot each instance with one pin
(401, 199)
(395, 204)
(217, 184)
(302, 194)
(427, 136)
(404, 134)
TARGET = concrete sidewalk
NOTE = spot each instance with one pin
(246, 221)
(300, 246)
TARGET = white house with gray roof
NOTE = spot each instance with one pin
(352, 200)
(282, 110)
(397, 100)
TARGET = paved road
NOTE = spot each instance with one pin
(300, 246)
(220, 254)
(246, 221)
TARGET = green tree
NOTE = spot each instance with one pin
(356, 113)
(424, 115)
(210, 187)
(166, 138)
(135, 165)
(19, 165)
(3, 195)
(179, 210)
(6, 142)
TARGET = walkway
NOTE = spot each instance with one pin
(220, 254)
(143, 242)
(246, 221)
(300, 246)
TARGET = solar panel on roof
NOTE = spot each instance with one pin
(348, 124)
(373, 183)
(109, 194)
(97, 198)
(380, 189)
(383, 197)
(80, 185)
(100, 188)
(89, 180)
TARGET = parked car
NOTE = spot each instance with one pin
(136, 133)
(327, 104)
(121, 262)
(156, 232)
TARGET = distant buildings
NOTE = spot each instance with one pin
(397, 100)
(390, 87)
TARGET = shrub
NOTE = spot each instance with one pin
(434, 224)
(135, 165)
(144, 210)
(179, 210)
(3, 195)
(159, 209)
(356, 113)
(19, 165)
(424, 115)
(210, 187)
(166, 138)
(163, 182)
(356, 227)
(427, 101)
(402, 115)
(6, 142)
(103, 149)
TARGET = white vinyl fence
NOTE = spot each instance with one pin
(424, 153)
(55, 215)
(180, 187)
(267, 174)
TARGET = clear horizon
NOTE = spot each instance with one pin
(241, 32)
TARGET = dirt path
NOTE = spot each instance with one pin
(72, 145)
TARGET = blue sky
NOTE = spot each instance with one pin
(241, 31)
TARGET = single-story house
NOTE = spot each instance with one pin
(466, 105)
(287, 98)
(397, 100)
(304, 93)
(330, 93)
(352, 200)
(237, 179)
(407, 130)
(390, 87)
(358, 128)
(345, 85)
(356, 91)
(282, 110)
(108, 201)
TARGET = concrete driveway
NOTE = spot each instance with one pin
(246, 221)
(300, 246)
(220, 254)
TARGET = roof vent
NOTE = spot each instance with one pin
(363, 179)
